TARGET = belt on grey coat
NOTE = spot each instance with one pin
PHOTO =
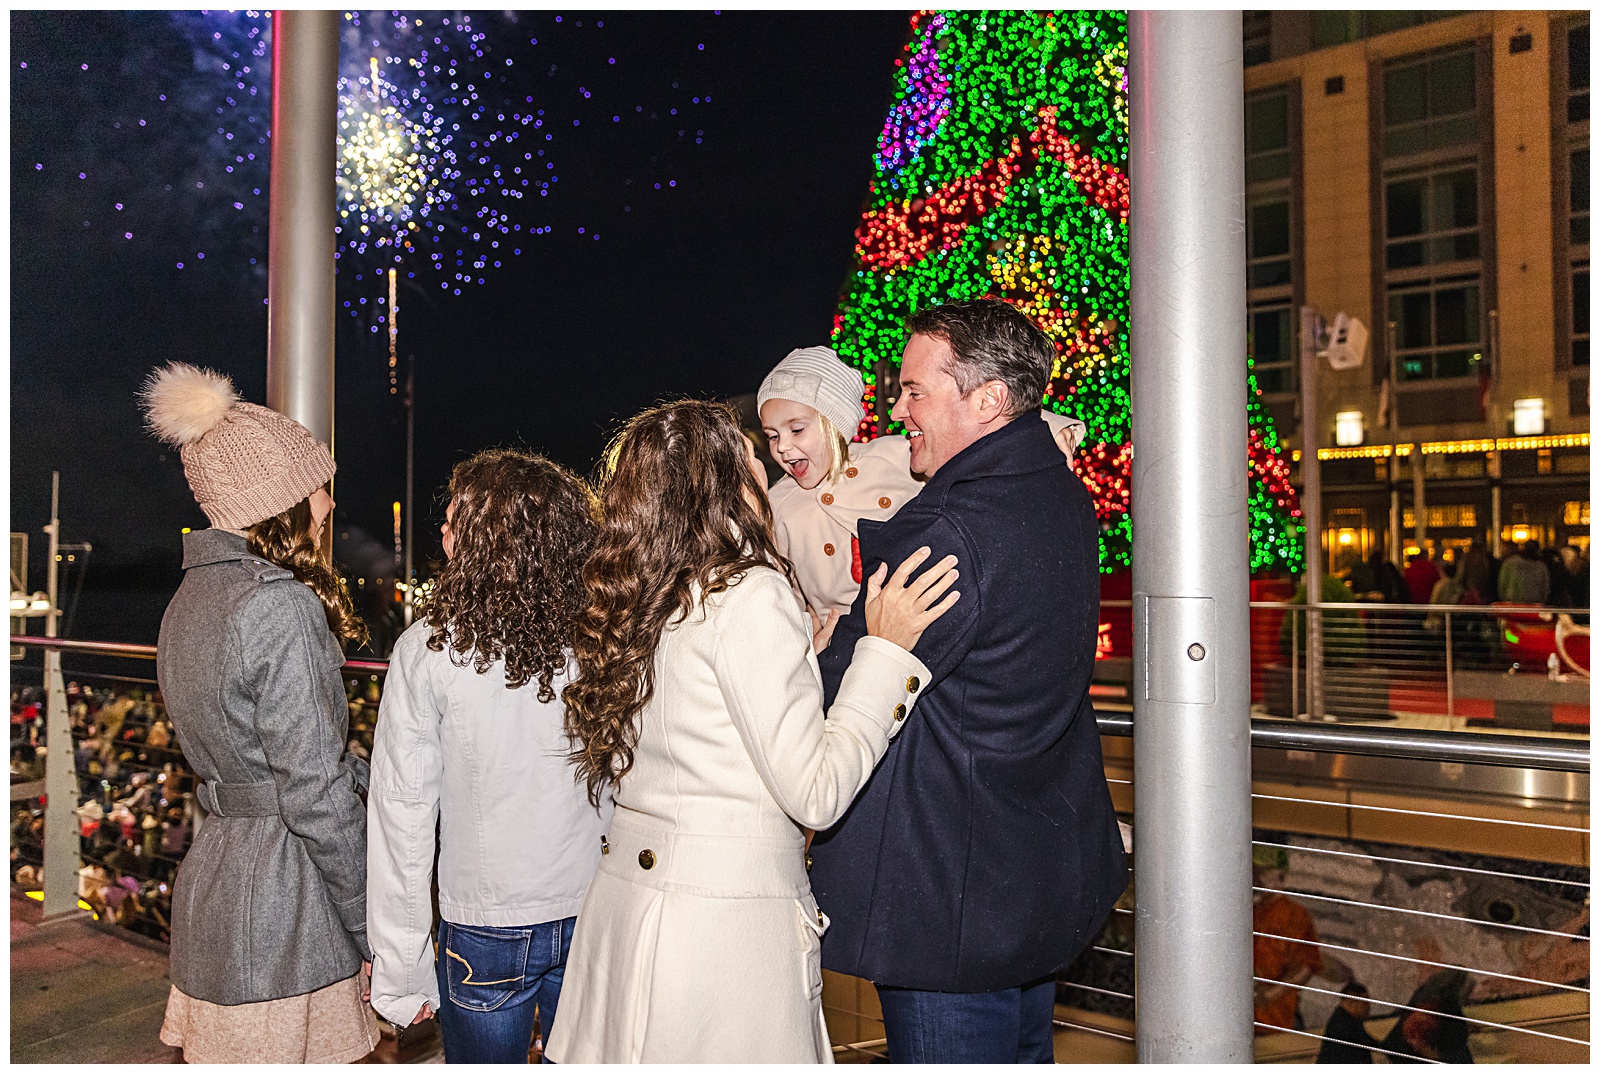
(239, 799)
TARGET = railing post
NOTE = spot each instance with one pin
(300, 240)
(1294, 665)
(61, 859)
(60, 775)
(1191, 567)
(1449, 663)
(1311, 515)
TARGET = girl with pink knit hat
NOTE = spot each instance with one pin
(810, 406)
(269, 944)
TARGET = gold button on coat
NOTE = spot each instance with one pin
(647, 859)
(899, 714)
(883, 501)
(827, 497)
(912, 684)
(827, 549)
(605, 845)
(819, 917)
(851, 472)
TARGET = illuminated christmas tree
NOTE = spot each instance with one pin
(1002, 170)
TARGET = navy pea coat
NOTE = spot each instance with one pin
(984, 852)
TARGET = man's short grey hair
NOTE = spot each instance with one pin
(991, 340)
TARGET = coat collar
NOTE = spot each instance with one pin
(1021, 446)
(201, 547)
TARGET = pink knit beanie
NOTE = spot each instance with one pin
(244, 462)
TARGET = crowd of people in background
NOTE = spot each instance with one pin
(1527, 574)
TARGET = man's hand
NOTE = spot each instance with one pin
(366, 982)
(423, 1015)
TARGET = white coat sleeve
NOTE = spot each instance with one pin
(402, 811)
(812, 766)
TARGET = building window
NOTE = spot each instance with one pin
(1341, 27)
(1267, 237)
(1257, 37)
(1432, 190)
(1266, 137)
(1431, 217)
(1272, 347)
(1438, 328)
(1578, 74)
(1430, 104)
(1269, 240)
(1577, 140)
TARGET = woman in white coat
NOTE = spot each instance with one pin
(699, 702)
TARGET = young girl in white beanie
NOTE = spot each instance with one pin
(810, 406)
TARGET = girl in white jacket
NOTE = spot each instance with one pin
(470, 737)
(810, 406)
(699, 700)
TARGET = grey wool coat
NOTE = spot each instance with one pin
(271, 899)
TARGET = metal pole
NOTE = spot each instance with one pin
(60, 778)
(1191, 567)
(305, 104)
(1393, 469)
(1419, 497)
(411, 450)
(1311, 515)
(1450, 662)
(1494, 504)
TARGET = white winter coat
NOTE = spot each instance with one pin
(699, 940)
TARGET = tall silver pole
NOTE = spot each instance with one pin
(305, 103)
(1494, 504)
(1191, 568)
(1311, 512)
(1419, 498)
(1393, 469)
(60, 776)
(409, 608)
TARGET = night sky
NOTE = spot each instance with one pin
(694, 289)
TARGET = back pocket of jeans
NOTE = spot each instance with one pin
(484, 968)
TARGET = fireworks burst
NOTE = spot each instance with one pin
(153, 132)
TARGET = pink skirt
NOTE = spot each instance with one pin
(330, 1025)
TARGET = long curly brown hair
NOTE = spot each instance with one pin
(513, 586)
(681, 510)
(288, 540)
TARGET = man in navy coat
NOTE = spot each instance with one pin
(983, 855)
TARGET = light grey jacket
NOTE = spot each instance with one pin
(518, 839)
(271, 899)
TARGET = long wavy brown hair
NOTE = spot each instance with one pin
(513, 586)
(681, 509)
(288, 540)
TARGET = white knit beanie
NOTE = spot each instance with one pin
(244, 463)
(816, 377)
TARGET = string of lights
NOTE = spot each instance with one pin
(1001, 171)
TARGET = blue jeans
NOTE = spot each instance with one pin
(1012, 1025)
(491, 982)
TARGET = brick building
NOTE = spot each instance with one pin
(1427, 173)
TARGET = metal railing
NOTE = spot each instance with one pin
(1373, 930)
(1503, 666)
